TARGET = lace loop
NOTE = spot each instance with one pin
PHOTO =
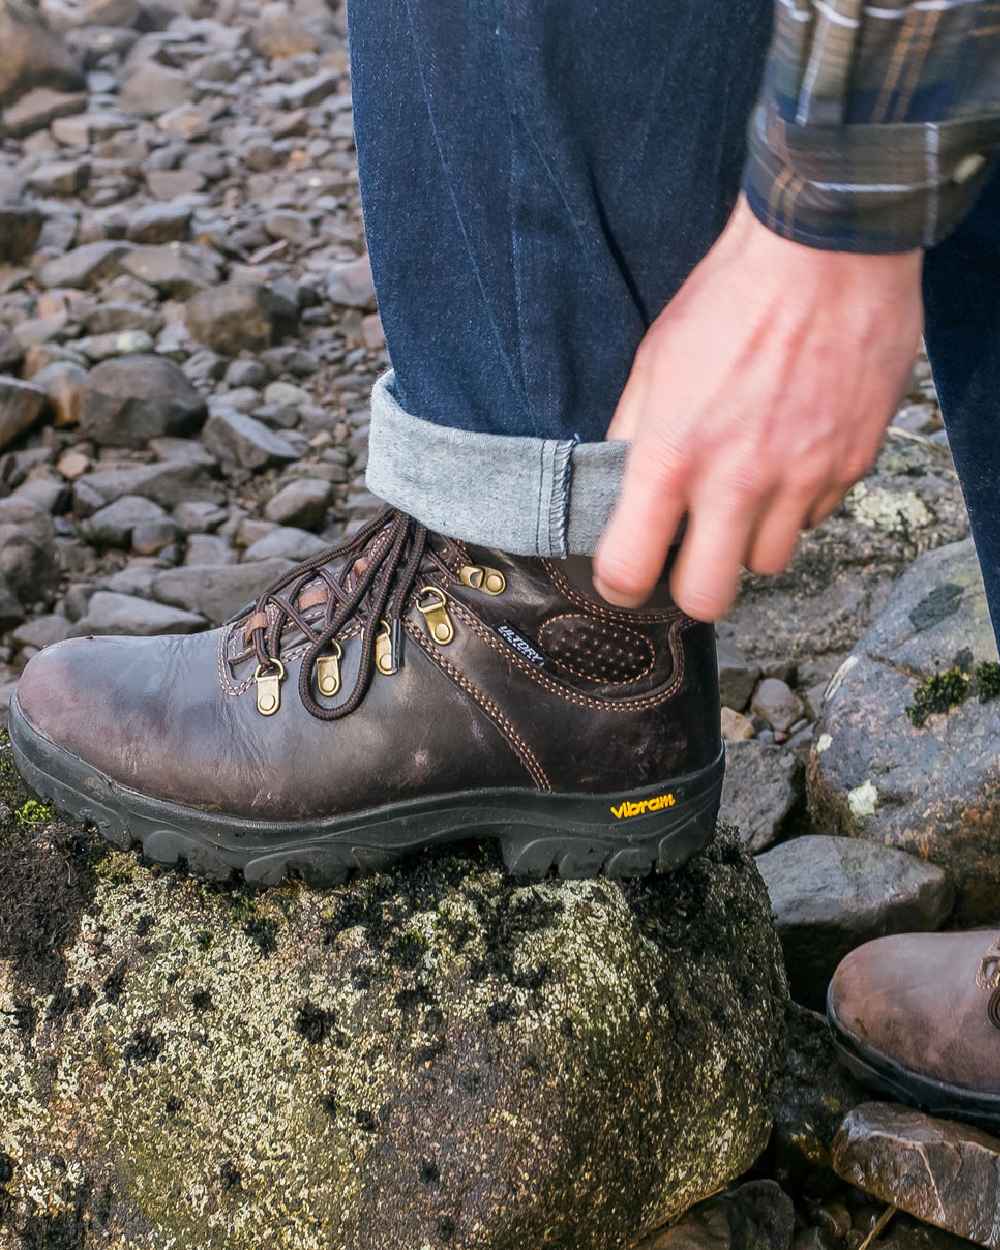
(384, 578)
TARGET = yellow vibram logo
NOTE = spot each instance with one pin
(626, 810)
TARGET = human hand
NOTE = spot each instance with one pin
(758, 397)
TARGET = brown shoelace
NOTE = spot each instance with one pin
(386, 574)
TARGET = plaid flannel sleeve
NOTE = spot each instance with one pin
(878, 124)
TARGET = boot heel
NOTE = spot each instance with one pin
(620, 836)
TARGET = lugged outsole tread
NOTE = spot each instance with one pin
(527, 852)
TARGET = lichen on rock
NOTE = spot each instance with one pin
(433, 1057)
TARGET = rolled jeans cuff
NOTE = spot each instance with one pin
(526, 496)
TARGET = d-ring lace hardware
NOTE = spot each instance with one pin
(479, 577)
(328, 671)
(387, 647)
(269, 678)
(432, 604)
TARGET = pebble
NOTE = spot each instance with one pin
(238, 440)
(303, 503)
(112, 526)
(288, 543)
(217, 591)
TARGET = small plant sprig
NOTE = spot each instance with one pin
(945, 690)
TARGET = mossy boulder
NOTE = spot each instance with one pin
(431, 1058)
(905, 750)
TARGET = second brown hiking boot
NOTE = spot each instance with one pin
(399, 690)
(917, 1017)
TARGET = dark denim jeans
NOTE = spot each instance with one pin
(539, 177)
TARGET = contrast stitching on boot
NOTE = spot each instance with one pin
(634, 703)
(515, 742)
(606, 613)
(293, 653)
(607, 678)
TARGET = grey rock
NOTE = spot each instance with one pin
(209, 549)
(286, 543)
(776, 703)
(762, 790)
(116, 344)
(133, 399)
(303, 503)
(60, 177)
(168, 484)
(151, 89)
(831, 895)
(176, 269)
(239, 317)
(756, 1216)
(217, 591)
(83, 266)
(236, 439)
(934, 790)
(500, 1063)
(280, 33)
(21, 405)
(38, 109)
(199, 518)
(737, 677)
(112, 526)
(350, 284)
(160, 223)
(183, 451)
(308, 92)
(945, 1174)
(118, 317)
(20, 226)
(32, 55)
(151, 537)
(28, 567)
(43, 631)
(65, 383)
(110, 613)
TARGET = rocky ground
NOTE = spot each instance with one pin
(188, 335)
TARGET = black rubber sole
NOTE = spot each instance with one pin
(576, 835)
(884, 1076)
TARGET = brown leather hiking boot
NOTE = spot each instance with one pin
(399, 690)
(917, 1017)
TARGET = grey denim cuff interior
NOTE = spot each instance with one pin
(527, 496)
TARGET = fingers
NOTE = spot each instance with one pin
(706, 577)
(773, 543)
(634, 546)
